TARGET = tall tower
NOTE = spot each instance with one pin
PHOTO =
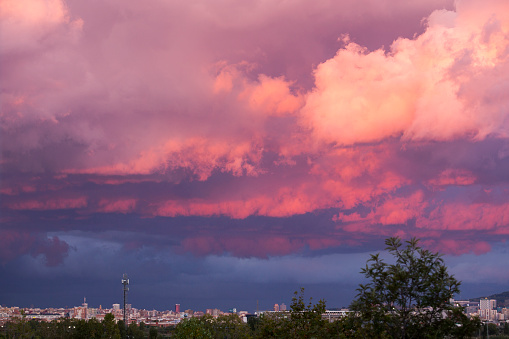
(125, 282)
(85, 308)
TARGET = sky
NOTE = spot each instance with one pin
(224, 153)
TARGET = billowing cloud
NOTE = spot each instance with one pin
(15, 244)
(438, 86)
(252, 130)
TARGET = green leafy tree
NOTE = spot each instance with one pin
(230, 327)
(20, 327)
(462, 325)
(270, 325)
(306, 320)
(110, 328)
(152, 333)
(407, 299)
(134, 331)
(82, 329)
(491, 331)
(122, 329)
(302, 321)
(194, 328)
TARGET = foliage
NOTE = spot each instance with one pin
(306, 320)
(302, 321)
(62, 328)
(410, 298)
(230, 326)
(136, 332)
(224, 326)
(152, 333)
(193, 328)
(111, 330)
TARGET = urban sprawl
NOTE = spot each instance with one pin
(485, 309)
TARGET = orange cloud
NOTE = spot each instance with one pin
(423, 88)
(396, 210)
(283, 203)
(270, 96)
(199, 154)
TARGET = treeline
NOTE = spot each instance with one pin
(66, 328)
(306, 321)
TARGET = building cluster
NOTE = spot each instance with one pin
(279, 308)
(149, 317)
(485, 309)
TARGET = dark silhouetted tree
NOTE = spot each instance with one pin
(409, 298)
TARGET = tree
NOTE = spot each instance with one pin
(306, 320)
(110, 328)
(152, 333)
(492, 330)
(121, 329)
(193, 328)
(133, 331)
(407, 299)
(302, 321)
(230, 327)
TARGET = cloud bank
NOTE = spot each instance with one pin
(253, 129)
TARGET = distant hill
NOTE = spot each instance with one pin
(499, 297)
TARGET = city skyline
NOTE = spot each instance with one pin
(224, 152)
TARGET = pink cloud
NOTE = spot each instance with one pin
(401, 210)
(414, 90)
(259, 98)
(458, 247)
(25, 23)
(453, 177)
(117, 206)
(284, 203)
(199, 154)
(50, 204)
(473, 216)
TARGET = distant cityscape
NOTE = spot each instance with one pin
(486, 309)
(149, 317)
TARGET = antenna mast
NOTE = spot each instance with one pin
(125, 282)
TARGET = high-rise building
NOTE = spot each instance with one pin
(276, 308)
(487, 304)
(177, 308)
(282, 307)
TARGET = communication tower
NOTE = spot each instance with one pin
(125, 282)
